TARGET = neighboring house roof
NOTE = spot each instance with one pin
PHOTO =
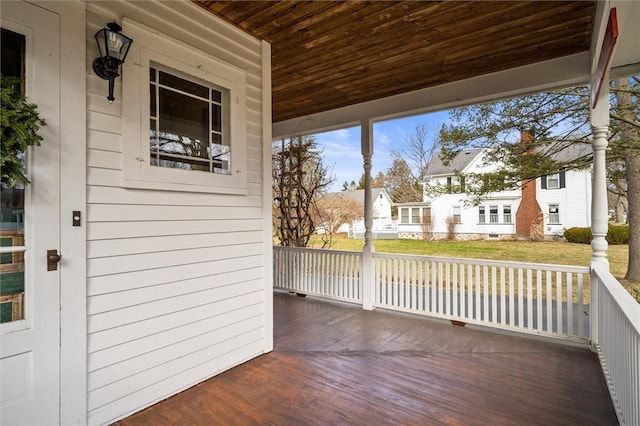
(572, 151)
(358, 194)
(459, 162)
(569, 152)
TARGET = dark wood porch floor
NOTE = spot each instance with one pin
(339, 365)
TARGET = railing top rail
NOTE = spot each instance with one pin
(508, 264)
(315, 250)
(627, 304)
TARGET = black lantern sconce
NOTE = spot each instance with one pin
(113, 46)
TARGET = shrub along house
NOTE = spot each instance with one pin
(147, 236)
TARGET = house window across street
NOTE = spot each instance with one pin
(506, 214)
(457, 217)
(553, 181)
(554, 214)
(404, 215)
(493, 214)
(482, 218)
(415, 215)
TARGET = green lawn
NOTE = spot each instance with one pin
(553, 252)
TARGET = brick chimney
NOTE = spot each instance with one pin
(529, 209)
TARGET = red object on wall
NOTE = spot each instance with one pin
(608, 43)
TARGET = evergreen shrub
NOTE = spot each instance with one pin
(617, 234)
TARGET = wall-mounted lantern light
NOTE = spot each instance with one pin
(113, 46)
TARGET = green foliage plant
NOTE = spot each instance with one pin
(617, 234)
(20, 125)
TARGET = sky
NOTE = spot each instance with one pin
(341, 148)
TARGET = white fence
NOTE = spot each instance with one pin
(542, 299)
(328, 273)
(616, 337)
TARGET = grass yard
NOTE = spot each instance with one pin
(553, 252)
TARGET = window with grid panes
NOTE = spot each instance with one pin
(186, 123)
(493, 214)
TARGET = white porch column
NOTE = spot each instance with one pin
(599, 204)
(368, 290)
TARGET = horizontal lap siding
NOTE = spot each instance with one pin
(175, 280)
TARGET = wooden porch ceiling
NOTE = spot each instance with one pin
(340, 365)
(331, 54)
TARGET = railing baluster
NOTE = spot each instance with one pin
(569, 303)
(511, 298)
(539, 299)
(520, 298)
(530, 324)
(454, 267)
(478, 295)
(559, 310)
(581, 315)
(549, 279)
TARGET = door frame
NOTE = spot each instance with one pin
(73, 171)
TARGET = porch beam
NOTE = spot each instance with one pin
(368, 290)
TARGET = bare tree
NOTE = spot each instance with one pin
(419, 149)
(298, 180)
(333, 211)
(627, 115)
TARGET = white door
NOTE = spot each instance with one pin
(29, 226)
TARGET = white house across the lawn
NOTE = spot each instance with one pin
(559, 201)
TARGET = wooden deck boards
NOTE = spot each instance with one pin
(339, 365)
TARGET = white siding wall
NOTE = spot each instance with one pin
(176, 280)
(443, 206)
(574, 202)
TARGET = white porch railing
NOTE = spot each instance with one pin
(328, 273)
(616, 338)
(534, 298)
(549, 300)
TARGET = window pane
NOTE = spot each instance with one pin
(183, 124)
(506, 214)
(493, 214)
(415, 215)
(12, 201)
(152, 100)
(188, 132)
(216, 118)
(553, 181)
(152, 74)
(183, 85)
(554, 213)
(426, 215)
(404, 215)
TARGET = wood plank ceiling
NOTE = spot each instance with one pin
(330, 54)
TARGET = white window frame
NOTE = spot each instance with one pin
(507, 217)
(457, 214)
(151, 47)
(554, 215)
(555, 178)
(494, 217)
(405, 215)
